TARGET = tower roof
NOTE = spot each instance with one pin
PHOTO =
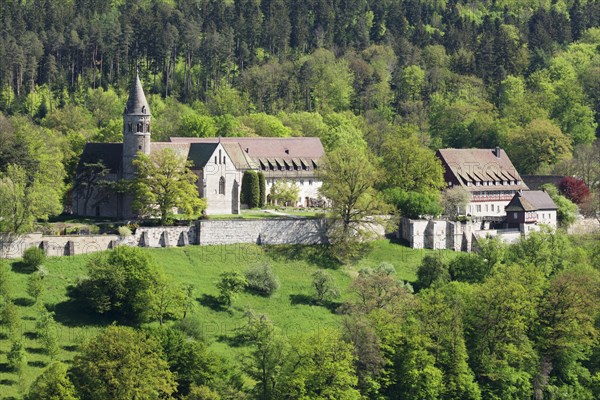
(137, 104)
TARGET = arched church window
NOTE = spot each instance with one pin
(140, 127)
(222, 185)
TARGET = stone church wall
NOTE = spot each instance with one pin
(220, 165)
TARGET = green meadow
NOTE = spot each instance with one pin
(291, 308)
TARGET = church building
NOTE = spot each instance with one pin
(219, 164)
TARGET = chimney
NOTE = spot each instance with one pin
(497, 152)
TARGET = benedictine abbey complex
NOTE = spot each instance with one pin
(219, 164)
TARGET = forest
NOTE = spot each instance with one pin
(390, 77)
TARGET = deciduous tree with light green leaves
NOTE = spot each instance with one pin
(229, 285)
(411, 167)
(164, 182)
(329, 81)
(122, 363)
(53, 384)
(35, 286)
(324, 285)
(121, 282)
(320, 366)
(349, 176)
(567, 210)
(23, 200)
(539, 144)
(285, 192)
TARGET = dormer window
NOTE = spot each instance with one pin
(143, 109)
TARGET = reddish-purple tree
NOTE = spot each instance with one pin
(574, 189)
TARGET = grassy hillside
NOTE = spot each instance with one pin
(291, 307)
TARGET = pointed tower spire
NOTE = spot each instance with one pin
(137, 103)
(136, 127)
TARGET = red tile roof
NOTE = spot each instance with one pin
(267, 147)
(481, 169)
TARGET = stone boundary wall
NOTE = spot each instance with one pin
(14, 246)
(203, 232)
(163, 236)
(438, 234)
(263, 231)
(450, 235)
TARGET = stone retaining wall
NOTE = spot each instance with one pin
(443, 234)
(14, 246)
(204, 232)
(164, 236)
(263, 231)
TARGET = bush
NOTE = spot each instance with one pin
(261, 279)
(124, 231)
(33, 257)
(229, 285)
(250, 189)
(324, 285)
(192, 326)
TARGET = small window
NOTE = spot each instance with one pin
(222, 185)
(216, 160)
(220, 158)
(224, 158)
(143, 109)
(130, 127)
(140, 127)
(140, 147)
(514, 215)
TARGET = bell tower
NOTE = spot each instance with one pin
(136, 127)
